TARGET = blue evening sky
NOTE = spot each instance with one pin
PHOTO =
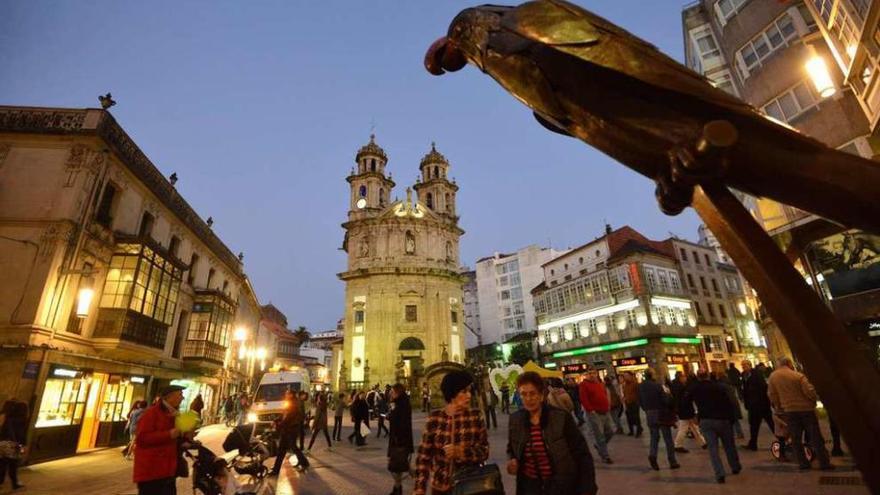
(260, 107)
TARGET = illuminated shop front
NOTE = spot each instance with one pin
(81, 409)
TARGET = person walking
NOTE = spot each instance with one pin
(491, 402)
(319, 424)
(288, 429)
(546, 451)
(156, 451)
(400, 437)
(737, 410)
(794, 397)
(557, 396)
(757, 403)
(13, 438)
(572, 388)
(229, 410)
(715, 409)
(131, 426)
(594, 400)
(360, 414)
(426, 397)
(616, 402)
(455, 437)
(735, 378)
(505, 398)
(631, 404)
(338, 411)
(305, 416)
(381, 414)
(685, 410)
(660, 418)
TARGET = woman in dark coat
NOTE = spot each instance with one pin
(12, 439)
(360, 413)
(546, 451)
(320, 421)
(400, 438)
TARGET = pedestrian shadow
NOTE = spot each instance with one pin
(617, 467)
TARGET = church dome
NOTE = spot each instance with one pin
(371, 148)
(433, 157)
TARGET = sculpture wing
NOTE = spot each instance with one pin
(582, 34)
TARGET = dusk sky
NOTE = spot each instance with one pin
(260, 107)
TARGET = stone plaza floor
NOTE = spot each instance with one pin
(349, 470)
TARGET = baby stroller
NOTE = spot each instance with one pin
(252, 452)
(784, 450)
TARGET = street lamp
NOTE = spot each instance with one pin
(84, 298)
(818, 71)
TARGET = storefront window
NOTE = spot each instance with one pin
(63, 402)
(117, 400)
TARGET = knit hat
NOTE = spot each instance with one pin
(454, 382)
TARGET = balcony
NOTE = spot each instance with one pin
(205, 351)
(125, 325)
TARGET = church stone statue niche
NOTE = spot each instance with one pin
(410, 243)
(450, 256)
(365, 247)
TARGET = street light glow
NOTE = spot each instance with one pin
(240, 334)
(84, 301)
(818, 72)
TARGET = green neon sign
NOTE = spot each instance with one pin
(680, 340)
(549, 365)
(601, 348)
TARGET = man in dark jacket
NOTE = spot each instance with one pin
(681, 387)
(736, 380)
(716, 413)
(360, 413)
(288, 432)
(757, 403)
(656, 403)
(155, 452)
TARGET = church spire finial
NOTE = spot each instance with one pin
(408, 196)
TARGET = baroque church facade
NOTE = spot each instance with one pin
(403, 289)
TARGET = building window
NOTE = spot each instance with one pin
(146, 228)
(372, 164)
(696, 258)
(141, 279)
(211, 273)
(412, 314)
(708, 261)
(429, 200)
(174, 246)
(722, 311)
(359, 317)
(193, 262)
(715, 285)
(711, 310)
(448, 202)
(684, 254)
(363, 191)
(705, 48)
(691, 283)
(792, 103)
(453, 316)
(767, 42)
(209, 323)
(382, 197)
(104, 212)
(699, 310)
(725, 9)
(723, 80)
(225, 286)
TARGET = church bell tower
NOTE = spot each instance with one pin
(370, 188)
(434, 188)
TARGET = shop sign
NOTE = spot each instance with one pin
(574, 368)
(137, 379)
(631, 361)
(718, 355)
(676, 358)
(31, 370)
(61, 372)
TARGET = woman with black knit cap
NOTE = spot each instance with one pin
(455, 437)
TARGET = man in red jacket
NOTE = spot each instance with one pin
(594, 399)
(156, 452)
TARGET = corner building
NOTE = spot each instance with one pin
(403, 287)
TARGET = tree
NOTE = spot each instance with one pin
(522, 353)
(302, 335)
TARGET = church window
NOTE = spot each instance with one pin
(372, 164)
(448, 203)
(363, 191)
(411, 313)
(430, 200)
(454, 316)
(359, 317)
(436, 172)
(382, 197)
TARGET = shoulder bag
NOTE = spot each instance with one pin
(482, 479)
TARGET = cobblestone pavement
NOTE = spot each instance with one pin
(349, 470)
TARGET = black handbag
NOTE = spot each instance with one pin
(484, 479)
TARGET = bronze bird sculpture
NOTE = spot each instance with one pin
(588, 78)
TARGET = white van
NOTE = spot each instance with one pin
(268, 404)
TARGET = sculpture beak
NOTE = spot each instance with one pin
(444, 56)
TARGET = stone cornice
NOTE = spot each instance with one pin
(448, 225)
(391, 270)
(440, 181)
(96, 122)
(386, 180)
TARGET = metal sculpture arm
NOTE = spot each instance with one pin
(587, 78)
